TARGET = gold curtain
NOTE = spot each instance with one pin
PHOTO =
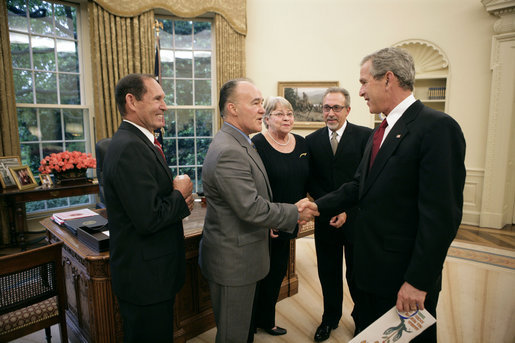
(123, 41)
(230, 53)
(9, 139)
(119, 46)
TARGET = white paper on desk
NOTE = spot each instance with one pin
(391, 328)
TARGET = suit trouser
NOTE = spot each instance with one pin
(232, 306)
(368, 307)
(329, 244)
(268, 289)
(147, 323)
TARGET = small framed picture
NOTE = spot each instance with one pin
(6, 179)
(23, 177)
(46, 180)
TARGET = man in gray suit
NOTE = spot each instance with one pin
(234, 250)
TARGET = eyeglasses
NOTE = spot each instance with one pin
(281, 114)
(335, 108)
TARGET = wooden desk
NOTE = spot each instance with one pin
(15, 202)
(92, 314)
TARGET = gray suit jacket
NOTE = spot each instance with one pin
(234, 249)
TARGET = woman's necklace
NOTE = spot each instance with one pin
(281, 144)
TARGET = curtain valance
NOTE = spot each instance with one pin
(234, 11)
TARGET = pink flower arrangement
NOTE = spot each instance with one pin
(66, 161)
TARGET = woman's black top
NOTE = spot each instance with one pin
(287, 172)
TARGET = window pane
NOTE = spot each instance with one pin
(20, 50)
(41, 17)
(67, 56)
(202, 38)
(184, 63)
(69, 87)
(200, 187)
(51, 148)
(183, 36)
(35, 206)
(186, 151)
(167, 85)
(202, 64)
(57, 203)
(184, 92)
(169, 146)
(76, 146)
(65, 21)
(169, 123)
(166, 35)
(43, 53)
(80, 199)
(73, 125)
(204, 122)
(203, 92)
(202, 146)
(185, 123)
(46, 88)
(167, 63)
(28, 128)
(17, 15)
(50, 121)
(30, 156)
(23, 86)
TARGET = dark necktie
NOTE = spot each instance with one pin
(378, 138)
(158, 146)
(334, 142)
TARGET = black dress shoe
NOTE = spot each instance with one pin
(323, 332)
(278, 331)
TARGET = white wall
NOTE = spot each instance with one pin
(324, 40)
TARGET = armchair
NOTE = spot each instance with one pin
(32, 293)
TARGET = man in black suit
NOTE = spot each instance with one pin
(328, 171)
(409, 191)
(145, 208)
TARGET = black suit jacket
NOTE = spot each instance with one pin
(145, 220)
(327, 171)
(409, 203)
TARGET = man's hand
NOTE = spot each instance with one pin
(307, 210)
(183, 184)
(339, 220)
(410, 298)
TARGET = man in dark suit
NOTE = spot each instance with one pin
(234, 250)
(409, 191)
(328, 171)
(145, 208)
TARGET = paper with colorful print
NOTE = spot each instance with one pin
(391, 328)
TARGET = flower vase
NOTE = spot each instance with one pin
(71, 176)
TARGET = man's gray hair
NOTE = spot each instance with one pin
(396, 60)
(343, 91)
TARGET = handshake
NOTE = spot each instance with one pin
(307, 210)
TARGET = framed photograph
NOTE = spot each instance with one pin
(306, 100)
(6, 179)
(23, 177)
(46, 180)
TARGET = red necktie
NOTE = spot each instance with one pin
(158, 146)
(376, 144)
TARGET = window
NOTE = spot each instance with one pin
(52, 117)
(187, 79)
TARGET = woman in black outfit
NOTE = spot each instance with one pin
(286, 161)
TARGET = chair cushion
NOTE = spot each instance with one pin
(28, 315)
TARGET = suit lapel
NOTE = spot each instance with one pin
(397, 134)
(251, 151)
(145, 140)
